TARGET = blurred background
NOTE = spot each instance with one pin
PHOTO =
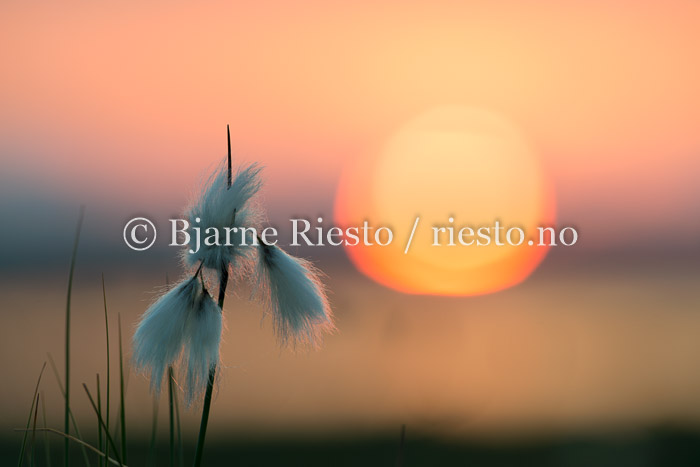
(590, 358)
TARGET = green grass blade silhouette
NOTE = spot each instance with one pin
(29, 420)
(66, 417)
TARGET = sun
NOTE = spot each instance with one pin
(457, 167)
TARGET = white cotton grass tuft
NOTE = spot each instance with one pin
(293, 293)
(203, 338)
(160, 334)
(221, 206)
(183, 328)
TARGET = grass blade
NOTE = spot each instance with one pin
(99, 416)
(122, 410)
(79, 441)
(70, 412)
(29, 420)
(126, 389)
(31, 449)
(66, 418)
(109, 437)
(104, 299)
(47, 445)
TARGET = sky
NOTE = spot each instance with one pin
(123, 107)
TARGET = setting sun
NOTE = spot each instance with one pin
(460, 170)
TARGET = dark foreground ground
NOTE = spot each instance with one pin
(663, 448)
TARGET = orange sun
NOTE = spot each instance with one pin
(453, 167)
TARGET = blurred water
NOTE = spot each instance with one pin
(574, 349)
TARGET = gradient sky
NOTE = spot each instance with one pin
(125, 105)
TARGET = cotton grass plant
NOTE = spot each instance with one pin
(179, 335)
(182, 329)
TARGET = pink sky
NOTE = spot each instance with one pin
(128, 103)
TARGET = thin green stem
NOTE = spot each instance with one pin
(47, 445)
(70, 412)
(171, 418)
(154, 431)
(29, 420)
(228, 138)
(402, 441)
(171, 409)
(104, 299)
(109, 437)
(180, 447)
(223, 282)
(122, 411)
(31, 449)
(66, 413)
(126, 388)
(99, 416)
(205, 417)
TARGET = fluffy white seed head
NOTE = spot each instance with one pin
(160, 334)
(203, 337)
(294, 295)
(221, 206)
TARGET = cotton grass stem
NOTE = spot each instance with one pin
(171, 409)
(228, 137)
(152, 454)
(223, 282)
(180, 447)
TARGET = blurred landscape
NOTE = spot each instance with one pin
(589, 355)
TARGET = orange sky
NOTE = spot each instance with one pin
(109, 96)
